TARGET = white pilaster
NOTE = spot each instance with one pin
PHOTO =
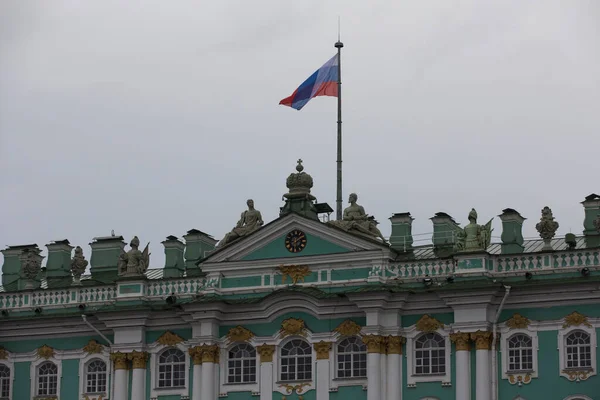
(207, 386)
(121, 384)
(373, 376)
(196, 354)
(463, 364)
(322, 379)
(383, 372)
(483, 385)
(138, 384)
(394, 377)
(266, 371)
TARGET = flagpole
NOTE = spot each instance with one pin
(338, 46)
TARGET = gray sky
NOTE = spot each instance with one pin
(155, 117)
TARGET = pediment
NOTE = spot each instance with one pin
(268, 242)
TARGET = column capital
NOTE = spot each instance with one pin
(322, 348)
(462, 340)
(482, 339)
(196, 354)
(394, 344)
(120, 360)
(210, 353)
(373, 343)
(138, 359)
(266, 352)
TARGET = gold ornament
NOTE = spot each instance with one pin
(428, 324)
(239, 334)
(519, 378)
(169, 339)
(482, 339)
(294, 388)
(45, 352)
(100, 397)
(322, 348)
(93, 347)
(196, 354)
(266, 352)
(576, 319)
(462, 340)
(138, 359)
(292, 326)
(579, 375)
(210, 353)
(120, 360)
(394, 344)
(348, 328)
(3, 353)
(294, 272)
(373, 343)
(518, 322)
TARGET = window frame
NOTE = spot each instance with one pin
(412, 334)
(155, 350)
(280, 363)
(562, 349)
(157, 371)
(256, 364)
(83, 363)
(435, 336)
(505, 334)
(11, 380)
(33, 373)
(223, 365)
(336, 353)
(38, 376)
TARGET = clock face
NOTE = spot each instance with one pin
(295, 241)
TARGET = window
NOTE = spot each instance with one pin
(95, 377)
(351, 358)
(241, 365)
(4, 381)
(47, 379)
(171, 369)
(578, 351)
(430, 355)
(520, 353)
(296, 361)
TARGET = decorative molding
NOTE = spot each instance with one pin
(373, 343)
(577, 375)
(517, 321)
(292, 326)
(348, 328)
(210, 353)
(428, 324)
(394, 344)
(100, 397)
(462, 341)
(266, 352)
(482, 339)
(93, 347)
(294, 272)
(239, 334)
(322, 348)
(120, 360)
(196, 354)
(294, 388)
(45, 352)
(519, 379)
(576, 319)
(169, 339)
(3, 353)
(138, 359)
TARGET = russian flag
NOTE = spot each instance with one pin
(322, 83)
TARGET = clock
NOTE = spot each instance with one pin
(295, 241)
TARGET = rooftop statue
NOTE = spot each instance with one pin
(547, 227)
(31, 263)
(474, 237)
(355, 220)
(134, 262)
(78, 265)
(250, 221)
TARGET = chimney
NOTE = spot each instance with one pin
(197, 246)
(591, 222)
(105, 257)
(174, 263)
(58, 265)
(11, 268)
(512, 231)
(444, 230)
(401, 238)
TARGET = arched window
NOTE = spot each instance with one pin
(241, 365)
(520, 353)
(578, 350)
(430, 354)
(296, 361)
(171, 369)
(95, 377)
(351, 358)
(4, 381)
(47, 379)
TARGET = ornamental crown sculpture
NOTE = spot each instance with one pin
(299, 184)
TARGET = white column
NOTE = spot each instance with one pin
(383, 371)
(138, 378)
(120, 367)
(323, 350)
(207, 387)
(196, 354)
(463, 364)
(394, 367)
(373, 343)
(266, 371)
(483, 390)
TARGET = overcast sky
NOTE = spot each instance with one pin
(155, 117)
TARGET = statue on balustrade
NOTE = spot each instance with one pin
(250, 220)
(78, 265)
(356, 220)
(134, 262)
(474, 237)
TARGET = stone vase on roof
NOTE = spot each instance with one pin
(547, 228)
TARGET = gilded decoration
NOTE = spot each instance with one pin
(373, 343)
(3, 353)
(239, 334)
(210, 353)
(45, 352)
(138, 359)
(294, 272)
(348, 328)
(93, 347)
(120, 360)
(266, 352)
(519, 379)
(428, 324)
(461, 340)
(482, 339)
(394, 344)
(322, 348)
(100, 397)
(577, 375)
(299, 388)
(518, 322)
(196, 354)
(169, 339)
(576, 319)
(292, 326)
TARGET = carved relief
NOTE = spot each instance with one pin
(93, 347)
(299, 388)
(519, 378)
(294, 272)
(3, 353)
(348, 328)
(579, 375)
(373, 343)
(210, 353)
(239, 334)
(266, 352)
(196, 354)
(169, 339)
(45, 352)
(138, 359)
(322, 348)
(292, 326)
(428, 324)
(394, 344)
(518, 322)
(482, 339)
(462, 340)
(576, 319)
(120, 360)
